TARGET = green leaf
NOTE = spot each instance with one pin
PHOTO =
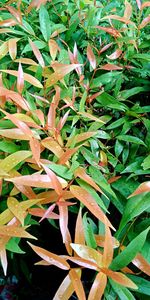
(134, 207)
(143, 284)
(8, 147)
(108, 100)
(13, 246)
(146, 163)
(45, 25)
(128, 254)
(122, 292)
(130, 139)
(88, 231)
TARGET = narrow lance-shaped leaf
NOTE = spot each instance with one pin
(141, 263)
(120, 278)
(14, 231)
(44, 22)
(37, 54)
(79, 230)
(143, 187)
(129, 253)
(66, 288)
(3, 49)
(27, 77)
(115, 54)
(91, 57)
(128, 10)
(14, 159)
(3, 259)
(12, 46)
(20, 79)
(53, 48)
(8, 22)
(98, 287)
(108, 247)
(144, 22)
(88, 253)
(51, 257)
(85, 197)
(77, 284)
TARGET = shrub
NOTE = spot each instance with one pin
(75, 140)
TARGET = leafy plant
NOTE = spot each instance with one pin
(74, 138)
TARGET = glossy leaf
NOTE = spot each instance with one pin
(14, 231)
(50, 257)
(44, 22)
(77, 284)
(27, 77)
(115, 54)
(120, 278)
(85, 197)
(88, 253)
(14, 159)
(98, 287)
(37, 54)
(91, 57)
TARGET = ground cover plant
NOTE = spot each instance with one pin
(75, 144)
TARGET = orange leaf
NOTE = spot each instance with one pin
(20, 79)
(79, 230)
(145, 4)
(16, 13)
(21, 125)
(115, 54)
(88, 253)
(118, 18)
(83, 262)
(51, 257)
(37, 54)
(63, 221)
(53, 146)
(112, 31)
(77, 284)
(144, 22)
(98, 287)
(36, 149)
(14, 133)
(91, 57)
(27, 61)
(60, 70)
(80, 172)
(108, 247)
(27, 77)
(36, 180)
(110, 67)
(141, 263)
(100, 239)
(12, 46)
(14, 231)
(53, 48)
(67, 155)
(143, 187)
(8, 22)
(119, 278)
(66, 289)
(15, 97)
(40, 212)
(54, 180)
(86, 198)
(128, 10)
(45, 213)
(103, 49)
(80, 137)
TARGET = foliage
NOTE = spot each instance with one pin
(74, 138)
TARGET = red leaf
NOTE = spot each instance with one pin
(67, 155)
(27, 77)
(91, 57)
(16, 13)
(20, 79)
(103, 49)
(111, 67)
(54, 180)
(145, 4)
(138, 4)
(53, 48)
(66, 289)
(115, 54)
(36, 149)
(15, 97)
(63, 221)
(12, 46)
(27, 61)
(8, 22)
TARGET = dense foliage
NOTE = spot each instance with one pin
(75, 141)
